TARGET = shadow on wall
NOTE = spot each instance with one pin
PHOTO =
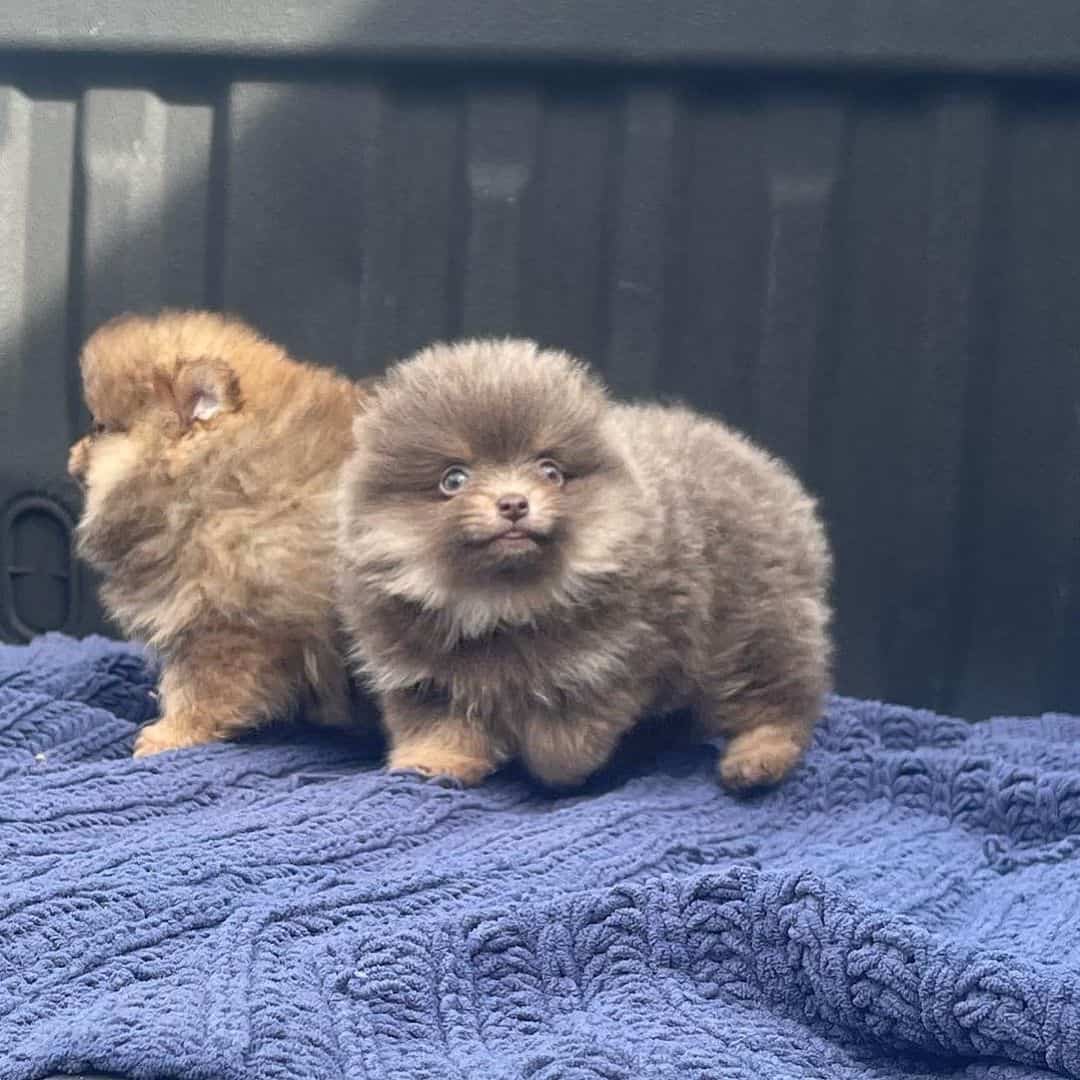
(857, 269)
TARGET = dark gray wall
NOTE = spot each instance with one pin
(851, 229)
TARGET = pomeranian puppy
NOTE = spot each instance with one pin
(210, 480)
(528, 569)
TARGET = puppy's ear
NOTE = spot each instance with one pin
(201, 389)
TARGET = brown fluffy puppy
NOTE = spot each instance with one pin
(528, 569)
(210, 480)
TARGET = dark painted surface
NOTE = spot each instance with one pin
(863, 249)
(964, 35)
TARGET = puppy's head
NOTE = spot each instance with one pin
(486, 479)
(166, 394)
(148, 381)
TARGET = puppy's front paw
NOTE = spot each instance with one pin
(758, 758)
(441, 765)
(161, 736)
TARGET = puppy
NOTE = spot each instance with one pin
(210, 482)
(527, 569)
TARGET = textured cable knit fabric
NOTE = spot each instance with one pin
(906, 906)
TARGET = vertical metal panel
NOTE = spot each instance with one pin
(145, 168)
(426, 172)
(570, 215)
(36, 192)
(925, 622)
(415, 222)
(874, 324)
(1025, 457)
(718, 255)
(875, 277)
(500, 163)
(39, 584)
(636, 293)
(804, 143)
(295, 198)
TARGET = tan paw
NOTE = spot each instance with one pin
(758, 758)
(161, 736)
(440, 765)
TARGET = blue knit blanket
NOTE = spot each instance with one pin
(908, 905)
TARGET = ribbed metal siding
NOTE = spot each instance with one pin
(877, 277)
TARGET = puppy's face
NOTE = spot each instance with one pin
(484, 471)
(503, 514)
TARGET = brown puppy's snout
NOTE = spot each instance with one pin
(513, 507)
(77, 459)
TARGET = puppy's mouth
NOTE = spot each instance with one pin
(515, 540)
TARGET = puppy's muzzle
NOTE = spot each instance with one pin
(78, 460)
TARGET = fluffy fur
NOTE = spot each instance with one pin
(210, 483)
(674, 566)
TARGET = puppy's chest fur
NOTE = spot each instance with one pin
(572, 656)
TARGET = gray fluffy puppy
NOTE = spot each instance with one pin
(527, 569)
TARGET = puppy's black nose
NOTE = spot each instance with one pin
(513, 507)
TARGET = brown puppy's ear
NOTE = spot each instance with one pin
(202, 389)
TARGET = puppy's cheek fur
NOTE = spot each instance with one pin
(601, 518)
(397, 536)
(464, 520)
(404, 546)
(113, 462)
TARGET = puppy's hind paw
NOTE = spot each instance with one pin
(447, 768)
(759, 758)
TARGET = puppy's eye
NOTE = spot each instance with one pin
(551, 472)
(453, 480)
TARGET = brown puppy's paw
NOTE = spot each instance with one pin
(758, 758)
(441, 765)
(163, 735)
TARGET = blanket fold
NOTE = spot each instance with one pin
(905, 906)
